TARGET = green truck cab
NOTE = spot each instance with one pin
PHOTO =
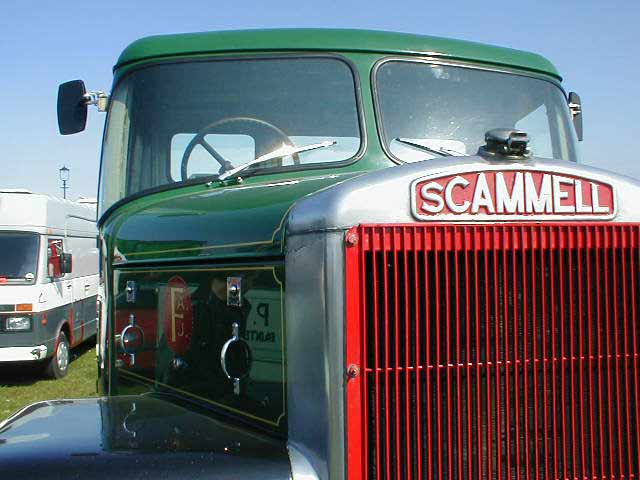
(297, 228)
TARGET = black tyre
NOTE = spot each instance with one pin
(58, 364)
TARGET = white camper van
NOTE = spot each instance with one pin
(48, 278)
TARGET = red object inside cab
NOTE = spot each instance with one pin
(54, 254)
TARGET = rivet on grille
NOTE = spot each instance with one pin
(353, 371)
(351, 238)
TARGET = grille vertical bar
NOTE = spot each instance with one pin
(494, 351)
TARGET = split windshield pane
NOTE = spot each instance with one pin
(450, 108)
(175, 122)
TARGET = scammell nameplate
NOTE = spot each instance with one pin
(511, 195)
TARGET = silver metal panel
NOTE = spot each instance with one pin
(301, 469)
(314, 303)
(314, 307)
(384, 196)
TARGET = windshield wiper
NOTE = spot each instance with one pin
(283, 151)
(443, 152)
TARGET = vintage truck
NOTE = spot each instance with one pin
(337, 254)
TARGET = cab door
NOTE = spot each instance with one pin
(183, 331)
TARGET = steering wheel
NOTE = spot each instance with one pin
(225, 164)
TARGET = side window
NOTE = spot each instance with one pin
(54, 258)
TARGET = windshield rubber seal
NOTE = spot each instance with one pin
(379, 120)
(271, 171)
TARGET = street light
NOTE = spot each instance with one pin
(64, 176)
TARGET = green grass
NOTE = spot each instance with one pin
(21, 386)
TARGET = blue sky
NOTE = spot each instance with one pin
(594, 44)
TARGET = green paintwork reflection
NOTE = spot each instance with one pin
(185, 321)
(216, 221)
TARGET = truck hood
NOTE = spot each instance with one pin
(208, 221)
(132, 437)
(388, 195)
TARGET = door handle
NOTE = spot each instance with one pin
(69, 286)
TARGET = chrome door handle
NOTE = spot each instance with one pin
(238, 372)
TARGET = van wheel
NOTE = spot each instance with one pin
(58, 365)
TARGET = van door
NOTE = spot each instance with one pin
(63, 287)
(90, 312)
(85, 291)
(85, 285)
(79, 307)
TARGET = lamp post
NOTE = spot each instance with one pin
(64, 176)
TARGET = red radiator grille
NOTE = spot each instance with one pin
(493, 351)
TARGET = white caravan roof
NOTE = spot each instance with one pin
(23, 210)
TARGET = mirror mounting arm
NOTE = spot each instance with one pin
(576, 108)
(98, 98)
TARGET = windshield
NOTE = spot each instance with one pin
(18, 256)
(182, 121)
(448, 109)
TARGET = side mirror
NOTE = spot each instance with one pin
(575, 106)
(66, 263)
(72, 107)
(54, 249)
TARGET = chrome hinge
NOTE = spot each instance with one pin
(234, 291)
(131, 291)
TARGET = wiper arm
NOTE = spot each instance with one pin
(283, 151)
(443, 152)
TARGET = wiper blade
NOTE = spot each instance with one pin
(443, 152)
(283, 151)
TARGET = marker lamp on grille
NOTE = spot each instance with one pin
(16, 324)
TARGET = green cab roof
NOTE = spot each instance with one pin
(331, 40)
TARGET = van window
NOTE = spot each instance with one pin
(18, 257)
